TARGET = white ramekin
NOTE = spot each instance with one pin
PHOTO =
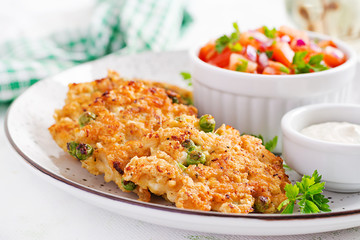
(338, 163)
(255, 103)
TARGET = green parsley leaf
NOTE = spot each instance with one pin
(186, 75)
(286, 166)
(298, 58)
(283, 204)
(234, 37)
(300, 186)
(222, 42)
(187, 78)
(316, 59)
(319, 68)
(321, 202)
(291, 191)
(259, 137)
(289, 208)
(284, 69)
(188, 100)
(316, 176)
(314, 63)
(308, 193)
(299, 63)
(309, 207)
(241, 67)
(237, 47)
(236, 27)
(307, 182)
(270, 145)
(269, 54)
(316, 188)
(270, 33)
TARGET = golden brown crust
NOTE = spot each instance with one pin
(137, 136)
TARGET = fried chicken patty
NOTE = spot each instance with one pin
(135, 133)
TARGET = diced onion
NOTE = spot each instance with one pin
(300, 42)
(335, 52)
(259, 37)
(285, 38)
(263, 60)
(251, 53)
(315, 47)
(267, 44)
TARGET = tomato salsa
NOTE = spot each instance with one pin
(272, 51)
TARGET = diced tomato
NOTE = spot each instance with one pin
(283, 53)
(247, 38)
(254, 52)
(260, 29)
(325, 43)
(314, 48)
(207, 51)
(279, 67)
(221, 60)
(333, 57)
(293, 33)
(298, 47)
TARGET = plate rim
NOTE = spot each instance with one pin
(133, 202)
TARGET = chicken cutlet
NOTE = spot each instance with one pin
(146, 138)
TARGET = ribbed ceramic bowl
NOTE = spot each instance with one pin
(338, 163)
(255, 103)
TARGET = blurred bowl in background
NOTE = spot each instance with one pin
(337, 18)
(255, 103)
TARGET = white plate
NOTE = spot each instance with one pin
(31, 114)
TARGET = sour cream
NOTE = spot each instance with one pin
(338, 132)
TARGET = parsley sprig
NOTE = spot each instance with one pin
(307, 194)
(269, 145)
(269, 54)
(187, 78)
(229, 41)
(314, 63)
(270, 33)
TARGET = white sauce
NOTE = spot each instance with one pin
(338, 132)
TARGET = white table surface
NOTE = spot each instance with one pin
(31, 208)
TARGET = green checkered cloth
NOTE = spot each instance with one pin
(120, 26)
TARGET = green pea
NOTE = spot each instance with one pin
(179, 119)
(188, 101)
(189, 144)
(85, 118)
(261, 204)
(173, 96)
(81, 151)
(128, 185)
(207, 123)
(195, 157)
(71, 147)
(175, 100)
(181, 166)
